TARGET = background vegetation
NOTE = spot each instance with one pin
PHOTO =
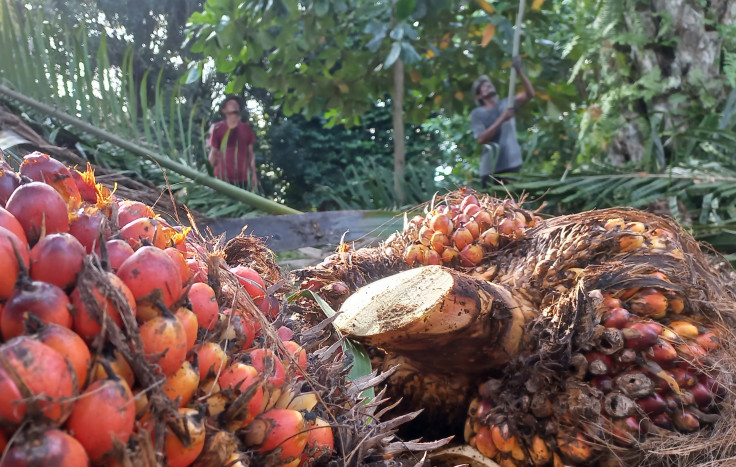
(635, 106)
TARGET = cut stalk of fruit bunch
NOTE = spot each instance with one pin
(453, 311)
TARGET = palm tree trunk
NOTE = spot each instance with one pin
(398, 122)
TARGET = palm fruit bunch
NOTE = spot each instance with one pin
(127, 339)
(598, 338)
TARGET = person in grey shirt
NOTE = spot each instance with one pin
(493, 122)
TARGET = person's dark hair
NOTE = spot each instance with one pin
(231, 97)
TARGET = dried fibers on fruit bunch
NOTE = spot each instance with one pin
(594, 338)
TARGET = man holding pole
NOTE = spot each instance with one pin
(493, 122)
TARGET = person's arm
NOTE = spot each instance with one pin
(487, 135)
(215, 155)
(528, 93)
(252, 159)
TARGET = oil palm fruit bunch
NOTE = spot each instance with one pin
(598, 338)
(128, 339)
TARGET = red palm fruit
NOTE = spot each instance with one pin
(675, 302)
(87, 226)
(648, 302)
(45, 373)
(252, 281)
(616, 318)
(691, 352)
(180, 262)
(684, 377)
(662, 352)
(181, 453)
(114, 359)
(710, 381)
(662, 420)
(182, 383)
(103, 414)
(417, 221)
(414, 254)
(241, 328)
(128, 211)
(85, 185)
(57, 259)
(703, 396)
(38, 208)
(505, 227)
(439, 241)
(574, 447)
(611, 302)
(639, 336)
(684, 329)
(462, 238)
(654, 326)
(483, 218)
(503, 439)
(708, 341)
(628, 243)
(539, 452)
(469, 200)
(45, 301)
(9, 245)
(599, 364)
(449, 255)
(117, 252)
(441, 223)
(241, 376)
(164, 342)
(685, 421)
(431, 257)
(626, 294)
(484, 442)
(262, 359)
(70, 346)
(9, 181)
(460, 219)
(204, 305)
(150, 275)
(653, 404)
(489, 238)
(189, 320)
(50, 447)
(471, 210)
(320, 443)
(473, 227)
(197, 269)
(298, 353)
(270, 306)
(471, 255)
(86, 323)
(212, 359)
(9, 222)
(145, 229)
(425, 236)
(42, 168)
(279, 429)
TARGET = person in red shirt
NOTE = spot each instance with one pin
(231, 147)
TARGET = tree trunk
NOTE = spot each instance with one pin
(398, 121)
(688, 64)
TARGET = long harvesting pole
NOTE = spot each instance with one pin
(515, 52)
